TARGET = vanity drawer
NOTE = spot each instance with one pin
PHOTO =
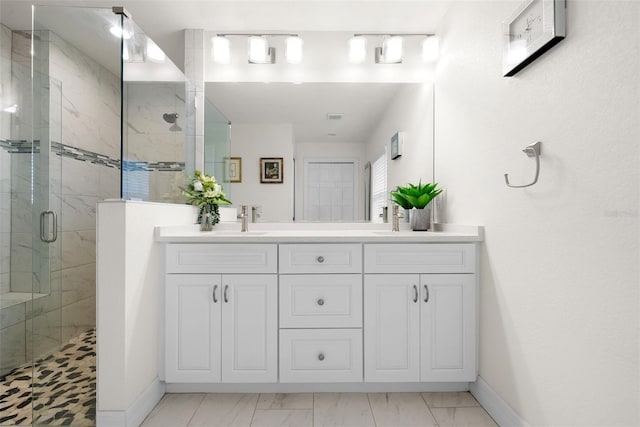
(320, 258)
(321, 301)
(420, 258)
(320, 355)
(221, 258)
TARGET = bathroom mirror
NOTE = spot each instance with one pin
(326, 134)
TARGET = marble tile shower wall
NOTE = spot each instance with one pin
(158, 145)
(90, 121)
(5, 160)
(84, 112)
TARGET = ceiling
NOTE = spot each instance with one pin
(164, 20)
(305, 105)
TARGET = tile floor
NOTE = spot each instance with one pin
(63, 392)
(319, 409)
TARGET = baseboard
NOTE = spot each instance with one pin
(315, 387)
(137, 412)
(499, 410)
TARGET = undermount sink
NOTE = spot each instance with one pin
(235, 233)
(392, 233)
(387, 233)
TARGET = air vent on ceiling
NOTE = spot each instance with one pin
(334, 116)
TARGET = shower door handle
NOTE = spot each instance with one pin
(54, 226)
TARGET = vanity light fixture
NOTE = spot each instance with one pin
(221, 49)
(391, 50)
(259, 50)
(430, 49)
(357, 49)
(294, 49)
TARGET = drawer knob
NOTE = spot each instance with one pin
(321, 356)
(320, 301)
(320, 259)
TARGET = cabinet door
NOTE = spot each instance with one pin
(448, 327)
(250, 328)
(391, 327)
(192, 328)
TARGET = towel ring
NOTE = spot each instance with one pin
(533, 150)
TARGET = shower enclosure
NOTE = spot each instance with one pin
(82, 119)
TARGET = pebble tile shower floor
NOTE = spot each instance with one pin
(64, 392)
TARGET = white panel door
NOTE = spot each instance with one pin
(448, 332)
(250, 328)
(192, 328)
(391, 327)
(330, 190)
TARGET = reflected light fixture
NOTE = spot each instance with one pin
(154, 53)
(12, 109)
(118, 32)
(430, 49)
(391, 50)
(357, 49)
(294, 49)
(260, 52)
(221, 49)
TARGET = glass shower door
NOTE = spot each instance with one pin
(44, 334)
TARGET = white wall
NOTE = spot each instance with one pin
(251, 141)
(130, 268)
(311, 150)
(559, 286)
(411, 112)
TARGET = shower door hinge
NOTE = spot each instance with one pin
(119, 10)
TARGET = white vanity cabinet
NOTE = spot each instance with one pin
(420, 321)
(320, 312)
(363, 311)
(221, 326)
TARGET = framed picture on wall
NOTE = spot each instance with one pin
(271, 170)
(233, 169)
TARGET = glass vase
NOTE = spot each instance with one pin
(206, 219)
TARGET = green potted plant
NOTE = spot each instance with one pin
(418, 199)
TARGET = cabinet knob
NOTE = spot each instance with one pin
(320, 301)
(321, 356)
(320, 259)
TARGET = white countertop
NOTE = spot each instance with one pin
(316, 233)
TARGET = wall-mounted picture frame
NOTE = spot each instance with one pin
(271, 170)
(233, 169)
(397, 145)
(533, 28)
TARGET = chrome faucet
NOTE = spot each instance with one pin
(395, 218)
(244, 216)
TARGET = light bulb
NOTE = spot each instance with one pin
(357, 49)
(258, 49)
(392, 49)
(294, 50)
(430, 49)
(221, 50)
